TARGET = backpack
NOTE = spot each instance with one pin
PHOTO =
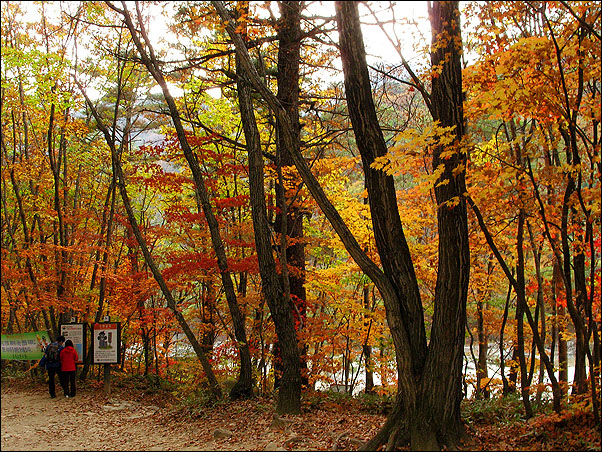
(53, 354)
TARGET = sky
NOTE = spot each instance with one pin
(378, 47)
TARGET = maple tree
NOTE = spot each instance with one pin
(530, 125)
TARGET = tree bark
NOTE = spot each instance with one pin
(433, 411)
(442, 387)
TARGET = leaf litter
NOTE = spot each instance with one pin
(135, 420)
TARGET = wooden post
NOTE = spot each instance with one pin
(107, 379)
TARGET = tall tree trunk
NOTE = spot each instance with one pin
(433, 411)
(289, 391)
(289, 221)
(442, 388)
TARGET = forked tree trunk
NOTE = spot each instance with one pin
(428, 408)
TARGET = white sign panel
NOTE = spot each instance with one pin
(77, 333)
(106, 342)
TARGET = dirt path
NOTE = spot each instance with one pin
(31, 420)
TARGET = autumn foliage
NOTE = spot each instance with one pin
(531, 83)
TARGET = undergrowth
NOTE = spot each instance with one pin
(501, 410)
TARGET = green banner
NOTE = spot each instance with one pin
(24, 346)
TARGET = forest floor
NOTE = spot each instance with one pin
(138, 419)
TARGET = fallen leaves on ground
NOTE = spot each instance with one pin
(138, 419)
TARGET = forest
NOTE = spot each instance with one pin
(271, 208)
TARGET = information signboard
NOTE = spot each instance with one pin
(24, 346)
(106, 343)
(77, 333)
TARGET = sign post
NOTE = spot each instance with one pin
(106, 348)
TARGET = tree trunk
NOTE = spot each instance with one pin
(443, 389)
(289, 392)
(432, 407)
(289, 48)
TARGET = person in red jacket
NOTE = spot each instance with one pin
(68, 366)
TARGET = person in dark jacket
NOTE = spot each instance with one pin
(69, 359)
(53, 367)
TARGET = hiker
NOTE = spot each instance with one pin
(69, 359)
(52, 354)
